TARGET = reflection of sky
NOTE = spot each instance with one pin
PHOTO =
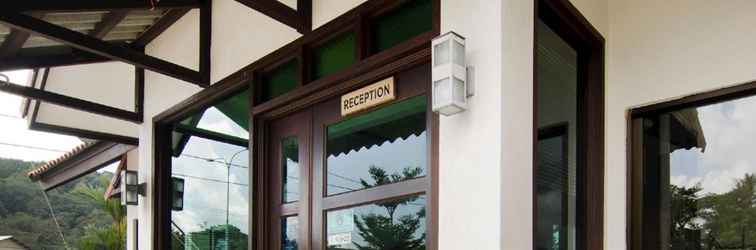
(205, 185)
(346, 170)
(216, 121)
(730, 131)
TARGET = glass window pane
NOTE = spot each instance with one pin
(395, 224)
(290, 168)
(289, 233)
(333, 56)
(557, 115)
(402, 24)
(700, 177)
(215, 196)
(280, 80)
(358, 147)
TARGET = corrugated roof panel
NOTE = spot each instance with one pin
(61, 18)
(122, 36)
(135, 23)
(128, 29)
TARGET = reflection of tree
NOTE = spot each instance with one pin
(381, 232)
(380, 177)
(723, 221)
(214, 238)
(288, 243)
(731, 217)
(684, 211)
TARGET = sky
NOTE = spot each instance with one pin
(729, 129)
(14, 130)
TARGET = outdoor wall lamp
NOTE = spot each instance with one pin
(450, 87)
(131, 188)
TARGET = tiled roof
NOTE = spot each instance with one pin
(44, 168)
(129, 29)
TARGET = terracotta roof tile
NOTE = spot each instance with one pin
(44, 168)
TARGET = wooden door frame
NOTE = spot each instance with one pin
(299, 125)
(262, 122)
(562, 17)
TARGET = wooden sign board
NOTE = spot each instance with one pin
(369, 96)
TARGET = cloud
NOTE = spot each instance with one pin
(730, 131)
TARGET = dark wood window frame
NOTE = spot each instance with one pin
(635, 175)
(367, 69)
(564, 19)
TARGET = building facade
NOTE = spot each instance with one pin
(561, 146)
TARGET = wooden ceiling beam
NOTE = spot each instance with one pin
(280, 12)
(99, 47)
(304, 9)
(15, 41)
(69, 102)
(97, 5)
(48, 61)
(108, 23)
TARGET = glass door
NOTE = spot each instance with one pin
(289, 178)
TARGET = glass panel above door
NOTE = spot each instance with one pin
(381, 147)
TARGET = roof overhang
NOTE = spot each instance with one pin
(85, 159)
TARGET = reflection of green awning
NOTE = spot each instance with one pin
(236, 108)
(399, 120)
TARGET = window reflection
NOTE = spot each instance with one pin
(700, 168)
(211, 158)
(290, 168)
(215, 198)
(395, 224)
(377, 148)
(289, 233)
(557, 147)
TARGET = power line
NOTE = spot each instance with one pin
(32, 147)
(11, 116)
(209, 179)
(211, 160)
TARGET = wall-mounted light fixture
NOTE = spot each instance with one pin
(131, 189)
(450, 88)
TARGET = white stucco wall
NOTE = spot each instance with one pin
(242, 35)
(324, 11)
(110, 83)
(470, 147)
(660, 50)
(132, 212)
(178, 44)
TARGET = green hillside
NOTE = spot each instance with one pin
(25, 215)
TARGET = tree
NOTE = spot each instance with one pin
(112, 237)
(24, 212)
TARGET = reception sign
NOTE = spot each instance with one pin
(369, 96)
